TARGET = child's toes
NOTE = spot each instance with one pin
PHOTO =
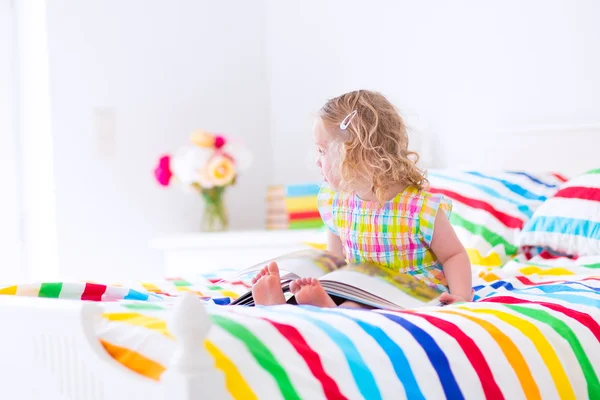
(262, 273)
(294, 286)
(259, 275)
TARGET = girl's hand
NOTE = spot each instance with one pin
(447, 298)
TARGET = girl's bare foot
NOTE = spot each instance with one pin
(266, 289)
(309, 291)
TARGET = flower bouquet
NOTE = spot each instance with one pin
(208, 165)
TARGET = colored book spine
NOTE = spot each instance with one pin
(302, 190)
(301, 204)
(304, 215)
(306, 224)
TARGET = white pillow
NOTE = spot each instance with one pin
(569, 222)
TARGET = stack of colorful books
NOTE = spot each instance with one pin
(293, 207)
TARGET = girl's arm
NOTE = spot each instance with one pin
(453, 257)
(334, 245)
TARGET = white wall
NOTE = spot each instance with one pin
(167, 68)
(457, 69)
(260, 70)
(10, 244)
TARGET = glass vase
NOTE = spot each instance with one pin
(215, 217)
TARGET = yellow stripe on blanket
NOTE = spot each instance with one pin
(318, 246)
(544, 348)
(511, 352)
(150, 287)
(235, 383)
(134, 360)
(491, 260)
(488, 276)
(138, 319)
(533, 270)
(10, 290)
(229, 293)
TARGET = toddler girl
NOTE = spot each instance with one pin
(376, 205)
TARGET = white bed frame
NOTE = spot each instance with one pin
(48, 348)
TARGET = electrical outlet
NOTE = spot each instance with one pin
(105, 127)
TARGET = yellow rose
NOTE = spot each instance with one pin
(221, 170)
(202, 139)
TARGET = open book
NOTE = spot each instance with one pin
(368, 284)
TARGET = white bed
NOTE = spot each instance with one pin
(49, 349)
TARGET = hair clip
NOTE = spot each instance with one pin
(346, 122)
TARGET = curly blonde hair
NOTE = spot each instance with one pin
(375, 143)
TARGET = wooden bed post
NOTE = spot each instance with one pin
(191, 374)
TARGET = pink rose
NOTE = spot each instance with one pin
(162, 172)
(219, 141)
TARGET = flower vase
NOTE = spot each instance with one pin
(215, 218)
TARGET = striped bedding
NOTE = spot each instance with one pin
(532, 333)
(490, 209)
(207, 287)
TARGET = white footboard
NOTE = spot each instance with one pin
(48, 350)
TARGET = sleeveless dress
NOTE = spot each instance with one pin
(396, 235)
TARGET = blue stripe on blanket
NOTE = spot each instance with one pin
(491, 192)
(135, 295)
(565, 226)
(532, 178)
(558, 288)
(392, 350)
(513, 187)
(362, 375)
(502, 284)
(436, 356)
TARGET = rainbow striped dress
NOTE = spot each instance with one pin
(396, 235)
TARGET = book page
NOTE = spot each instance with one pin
(377, 282)
(352, 293)
(300, 264)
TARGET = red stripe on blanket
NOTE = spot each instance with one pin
(508, 220)
(547, 255)
(241, 283)
(475, 356)
(311, 357)
(93, 292)
(560, 177)
(579, 192)
(584, 319)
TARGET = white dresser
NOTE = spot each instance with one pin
(194, 253)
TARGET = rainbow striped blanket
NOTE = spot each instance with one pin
(534, 333)
(208, 287)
